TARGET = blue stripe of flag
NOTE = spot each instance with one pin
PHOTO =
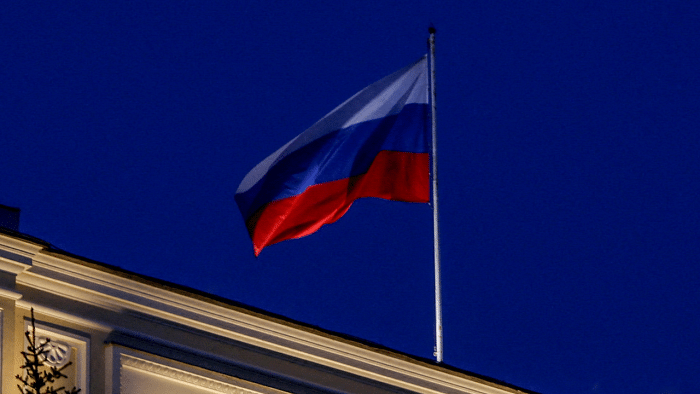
(339, 155)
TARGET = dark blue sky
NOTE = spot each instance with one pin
(569, 170)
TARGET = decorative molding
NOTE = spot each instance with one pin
(180, 375)
(55, 353)
(116, 293)
(12, 266)
(113, 291)
(11, 294)
(61, 346)
(20, 247)
(60, 315)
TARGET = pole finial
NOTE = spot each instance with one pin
(431, 29)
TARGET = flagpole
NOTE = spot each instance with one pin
(436, 232)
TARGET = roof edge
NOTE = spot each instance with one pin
(189, 292)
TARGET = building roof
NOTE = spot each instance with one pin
(276, 331)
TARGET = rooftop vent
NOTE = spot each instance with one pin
(9, 217)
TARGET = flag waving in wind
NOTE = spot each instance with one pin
(375, 144)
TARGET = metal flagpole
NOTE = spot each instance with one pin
(436, 232)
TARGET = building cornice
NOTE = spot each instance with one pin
(16, 255)
(179, 375)
(116, 290)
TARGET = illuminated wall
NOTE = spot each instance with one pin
(128, 334)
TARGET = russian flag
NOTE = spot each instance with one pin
(375, 144)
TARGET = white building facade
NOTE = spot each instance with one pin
(127, 334)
